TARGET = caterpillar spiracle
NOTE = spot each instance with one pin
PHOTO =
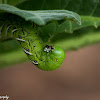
(45, 57)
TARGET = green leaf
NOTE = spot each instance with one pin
(67, 26)
(43, 16)
(88, 9)
(85, 22)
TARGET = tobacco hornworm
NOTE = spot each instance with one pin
(45, 56)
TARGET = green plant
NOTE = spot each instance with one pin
(58, 27)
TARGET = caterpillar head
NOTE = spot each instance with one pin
(53, 58)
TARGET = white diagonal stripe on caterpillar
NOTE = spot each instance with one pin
(34, 62)
(7, 29)
(19, 39)
(14, 30)
(27, 52)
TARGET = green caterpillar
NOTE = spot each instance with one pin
(44, 56)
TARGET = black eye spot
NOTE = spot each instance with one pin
(52, 47)
(19, 37)
(27, 50)
(35, 61)
(34, 46)
(47, 46)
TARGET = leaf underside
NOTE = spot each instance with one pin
(41, 17)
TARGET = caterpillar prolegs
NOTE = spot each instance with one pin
(46, 57)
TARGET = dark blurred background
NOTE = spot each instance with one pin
(77, 79)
